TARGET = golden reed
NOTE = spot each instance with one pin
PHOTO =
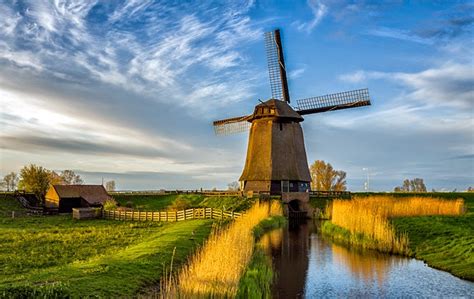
(215, 270)
(370, 216)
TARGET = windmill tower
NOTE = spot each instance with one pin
(276, 158)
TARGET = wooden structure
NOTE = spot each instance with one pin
(170, 216)
(66, 197)
(276, 157)
(86, 213)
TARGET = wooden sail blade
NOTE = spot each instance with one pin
(336, 101)
(232, 125)
(276, 66)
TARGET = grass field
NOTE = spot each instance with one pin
(93, 257)
(181, 201)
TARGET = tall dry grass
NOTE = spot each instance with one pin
(370, 216)
(215, 270)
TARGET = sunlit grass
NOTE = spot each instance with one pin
(216, 269)
(97, 258)
(370, 216)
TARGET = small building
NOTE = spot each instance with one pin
(66, 197)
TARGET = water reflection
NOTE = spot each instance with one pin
(309, 266)
(289, 262)
(365, 266)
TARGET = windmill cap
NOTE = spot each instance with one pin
(275, 109)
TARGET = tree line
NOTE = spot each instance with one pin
(37, 179)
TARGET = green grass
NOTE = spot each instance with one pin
(343, 236)
(161, 202)
(267, 225)
(146, 202)
(256, 283)
(93, 257)
(444, 242)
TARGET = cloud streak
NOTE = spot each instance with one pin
(318, 10)
(450, 84)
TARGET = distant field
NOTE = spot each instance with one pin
(161, 202)
(90, 257)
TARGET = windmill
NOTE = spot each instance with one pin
(276, 158)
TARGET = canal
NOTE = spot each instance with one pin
(307, 265)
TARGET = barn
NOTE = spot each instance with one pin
(66, 197)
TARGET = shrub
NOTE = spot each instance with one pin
(110, 204)
(180, 204)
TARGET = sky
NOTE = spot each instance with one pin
(128, 90)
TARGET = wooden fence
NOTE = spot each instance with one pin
(330, 194)
(170, 216)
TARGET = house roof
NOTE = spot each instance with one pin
(93, 194)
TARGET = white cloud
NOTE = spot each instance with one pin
(450, 84)
(319, 10)
(399, 34)
(296, 73)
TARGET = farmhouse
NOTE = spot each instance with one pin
(66, 197)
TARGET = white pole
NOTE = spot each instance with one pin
(367, 186)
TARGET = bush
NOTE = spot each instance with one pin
(110, 204)
(180, 204)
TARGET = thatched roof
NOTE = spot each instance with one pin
(276, 109)
(93, 194)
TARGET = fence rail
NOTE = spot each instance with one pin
(341, 194)
(170, 216)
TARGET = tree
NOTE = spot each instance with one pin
(71, 178)
(10, 181)
(415, 185)
(325, 178)
(55, 178)
(110, 186)
(35, 179)
(234, 186)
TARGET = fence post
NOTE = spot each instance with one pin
(232, 214)
(185, 214)
(176, 216)
(222, 214)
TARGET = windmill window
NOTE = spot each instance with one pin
(272, 111)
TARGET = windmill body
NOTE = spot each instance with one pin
(276, 157)
(276, 160)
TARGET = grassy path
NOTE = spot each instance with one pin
(93, 258)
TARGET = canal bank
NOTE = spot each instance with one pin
(307, 265)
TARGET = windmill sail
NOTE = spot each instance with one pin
(276, 66)
(231, 125)
(336, 101)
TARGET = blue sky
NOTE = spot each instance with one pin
(127, 90)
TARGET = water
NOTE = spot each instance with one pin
(310, 266)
